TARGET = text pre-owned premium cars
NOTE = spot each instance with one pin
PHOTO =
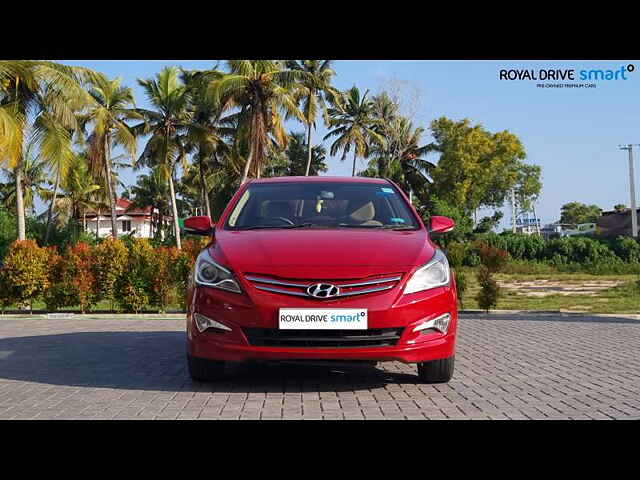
(321, 268)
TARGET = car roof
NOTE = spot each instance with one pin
(316, 179)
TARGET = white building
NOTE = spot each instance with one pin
(139, 222)
(527, 225)
(567, 229)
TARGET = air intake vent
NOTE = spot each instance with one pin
(271, 337)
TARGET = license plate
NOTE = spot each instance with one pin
(322, 319)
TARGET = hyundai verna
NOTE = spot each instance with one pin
(321, 268)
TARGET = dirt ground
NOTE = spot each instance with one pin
(544, 288)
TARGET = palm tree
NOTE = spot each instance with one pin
(314, 90)
(77, 191)
(56, 150)
(114, 105)
(206, 132)
(354, 124)
(167, 126)
(48, 94)
(34, 176)
(261, 89)
(400, 158)
(151, 190)
(295, 158)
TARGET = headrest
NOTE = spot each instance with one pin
(364, 211)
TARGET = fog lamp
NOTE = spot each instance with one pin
(440, 324)
(203, 323)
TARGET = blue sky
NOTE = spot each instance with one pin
(573, 134)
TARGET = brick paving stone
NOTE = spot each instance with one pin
(516, 366)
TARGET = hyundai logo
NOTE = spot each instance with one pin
(323, 290)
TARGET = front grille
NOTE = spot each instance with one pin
(346, 288)
(272, 337)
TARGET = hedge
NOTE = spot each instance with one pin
(131, 274)
(570, 254)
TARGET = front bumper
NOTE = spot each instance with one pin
(261, 311)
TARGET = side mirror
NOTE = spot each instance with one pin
(439, 224)
(198, 226)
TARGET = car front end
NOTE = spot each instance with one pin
(347, 294)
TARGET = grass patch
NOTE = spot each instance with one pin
(102, 306)
(623, 298)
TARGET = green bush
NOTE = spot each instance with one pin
(25, 273)
(489, 293)
(164, 277)
(110, 261)
(72, 281)
(58, 294)
(532, 254)
(456, 253)
(627, 249)
(134, 286)
(493, 260)
(129, 273)
(462, 285)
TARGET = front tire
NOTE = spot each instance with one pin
(436, 371)
(202, 370)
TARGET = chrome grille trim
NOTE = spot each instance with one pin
(301, 285)
(286, 292)
(368, 290)
(371, 282)
(276, 282)
(301, 294)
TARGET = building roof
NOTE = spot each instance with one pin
(123, 206)
(617, 212)
(615, 223)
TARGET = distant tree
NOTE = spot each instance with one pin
(620, 207)
(295, 158)
(314, 90)
(353, 124)
(167, 125)
(528, 186)
(486, 224)
(114, 105)
(34, 176)
(205, 138)
(38, 100)
(77, 193)
(476, 167)
(151, 190)
(262, 90)
(576, 212)
(405, 94)
(401, 157)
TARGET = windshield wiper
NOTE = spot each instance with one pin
(382, 227)
(257, 227)
(353, 225)
(400, 227)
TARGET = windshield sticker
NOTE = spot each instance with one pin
(385, 192)
(396, 220)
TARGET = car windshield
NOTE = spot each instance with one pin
(320, 204)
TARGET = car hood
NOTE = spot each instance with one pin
(337, 253)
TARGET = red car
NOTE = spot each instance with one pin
(321, 268)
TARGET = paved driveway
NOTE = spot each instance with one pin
(507, 367)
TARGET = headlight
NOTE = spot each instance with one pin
(208, 273)
(433, 274)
